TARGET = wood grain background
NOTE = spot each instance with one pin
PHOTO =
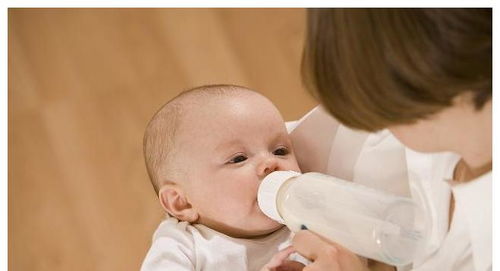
(82, 85)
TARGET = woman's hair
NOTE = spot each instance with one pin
(375, 68)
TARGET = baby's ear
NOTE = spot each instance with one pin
(174, 201)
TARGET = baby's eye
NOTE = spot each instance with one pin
(238, 159)
(281, 151)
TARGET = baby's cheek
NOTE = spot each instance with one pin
(240, 202)
(292, 164)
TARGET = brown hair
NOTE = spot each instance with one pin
(374, 68)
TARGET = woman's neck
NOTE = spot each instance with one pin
(473, 141)
(464, 173)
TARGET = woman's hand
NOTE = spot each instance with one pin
(280, 262)
(326, 255)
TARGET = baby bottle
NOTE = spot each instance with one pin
(368, 222)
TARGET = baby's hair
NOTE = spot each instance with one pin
(160, 135)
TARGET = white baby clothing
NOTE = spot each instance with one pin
(178, 245)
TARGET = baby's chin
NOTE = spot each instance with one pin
(266, 223)
(262, 232)
(254, 227)
(267, 226)
(259, 226)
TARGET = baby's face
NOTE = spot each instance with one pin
(228, 147)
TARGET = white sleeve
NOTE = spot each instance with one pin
(322, 144)
(172, 249)
(312, 138)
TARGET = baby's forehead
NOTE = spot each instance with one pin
(208, 118)
(205, 114)
(234, 110)
(230, 121)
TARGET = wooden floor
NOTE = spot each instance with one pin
(82, 85)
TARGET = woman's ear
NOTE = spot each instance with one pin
(174, 201)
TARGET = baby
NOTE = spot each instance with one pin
(206, 152)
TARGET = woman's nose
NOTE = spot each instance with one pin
(268, 165)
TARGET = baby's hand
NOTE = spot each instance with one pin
(280, 262)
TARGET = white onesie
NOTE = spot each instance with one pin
(180, 246)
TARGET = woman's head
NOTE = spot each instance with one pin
(378, 68)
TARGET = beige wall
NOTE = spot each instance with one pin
(82, 85)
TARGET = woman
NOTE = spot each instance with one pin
(424, 74)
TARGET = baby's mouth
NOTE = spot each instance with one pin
(256, 203)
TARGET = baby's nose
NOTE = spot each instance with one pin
(267, 166)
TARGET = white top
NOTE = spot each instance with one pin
(467, 244)
(181, 246)
(379, 160)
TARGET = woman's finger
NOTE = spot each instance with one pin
(290, 266)
(325, 254)
(279, 257)
(311, 245)
(323, 264)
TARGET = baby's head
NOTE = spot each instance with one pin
(207, 151)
